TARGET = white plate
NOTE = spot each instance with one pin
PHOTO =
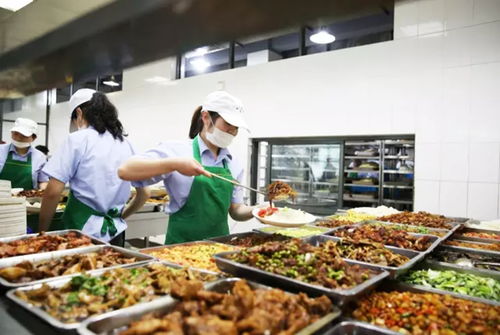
(308, 219)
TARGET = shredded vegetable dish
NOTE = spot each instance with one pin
(84, 296)
(351, 217)
(409, 229)
(396, 238)
(196, 255)
(303, 231)
(453, 281)
(301, 261)
(242, 310)
(419, 219)
(367, 251)
(28, 271)
(428, 313)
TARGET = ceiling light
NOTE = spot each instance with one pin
(14, 5)
(111, 82)
(322, 37)
(156, 79)
(200, 64)
(197, 52)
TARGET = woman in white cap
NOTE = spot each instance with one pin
(88, 160)
(19, 161)
(199, 204)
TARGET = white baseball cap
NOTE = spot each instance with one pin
(26, 127)
(80, 97)
(227, 106)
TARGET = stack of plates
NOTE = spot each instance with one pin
(12, 217)
(5, 189)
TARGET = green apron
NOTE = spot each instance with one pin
(204, 214)
(18, 172)
(77, 214)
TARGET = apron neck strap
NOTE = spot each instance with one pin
(197, 154)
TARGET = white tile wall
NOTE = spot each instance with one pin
(427, 196)
(428, 160)
(430, 16)
(458, 13)
(485, 46)
(484, 162)
(486, 11)
(457, 46)
(405, 19)
(482, 201)
(453, 198)
(455, 159)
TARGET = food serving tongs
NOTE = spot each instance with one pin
(234, 182)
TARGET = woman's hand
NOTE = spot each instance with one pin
(189, 167)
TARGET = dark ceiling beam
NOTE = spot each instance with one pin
(128, 33)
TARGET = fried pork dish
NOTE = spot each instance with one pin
(301, 261)
(197, 255)
(31, 193)
(279, 190)
(333, 223)
(490, 236)
(485, 246)
(43, 243)
(241, 311)
(428, 313)
(419, 219)
(84, 296)
(25, 272)
(367, 251)
(396, 238)
(254, 239)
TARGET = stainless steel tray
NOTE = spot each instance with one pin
(61, 282)
(338, 296)
(148, 251)
(454, 224)
(459, 235)
(466, 249)
(435, 241)
(414, 256)
(351, 327)
(113, 323)
(228, 238)
(445, 266)
(47, 256)
(479, 252)
(446, 232)
(327, 230)
(94, 241)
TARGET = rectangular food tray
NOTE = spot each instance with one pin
(479, 252)
(148, 251)
(114, 322)
(93, 240)
(435, 240)
(414, 256)
(338, 296)
(459, 235)
(351, 327)
(228, 238)
(444, 266)
(459, 248)
(447, 233)
(47, 256)
(61, 282)
(455, 225)
(326, 230)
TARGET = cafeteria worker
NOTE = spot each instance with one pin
(199, 203)
(88, 160)
(19, 161)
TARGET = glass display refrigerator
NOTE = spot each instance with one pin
(313, 169)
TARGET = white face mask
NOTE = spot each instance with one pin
(220, 138)
(21, 145)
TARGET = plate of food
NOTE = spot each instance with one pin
(283, 216)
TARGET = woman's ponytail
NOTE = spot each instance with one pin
(197, 121)
(101, 114)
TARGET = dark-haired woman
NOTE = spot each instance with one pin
(199, 205)
(88, 160)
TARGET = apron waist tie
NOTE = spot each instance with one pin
(108, 224)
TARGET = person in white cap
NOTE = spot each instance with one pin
(199, 204)
(88, 160)
(19, 161)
